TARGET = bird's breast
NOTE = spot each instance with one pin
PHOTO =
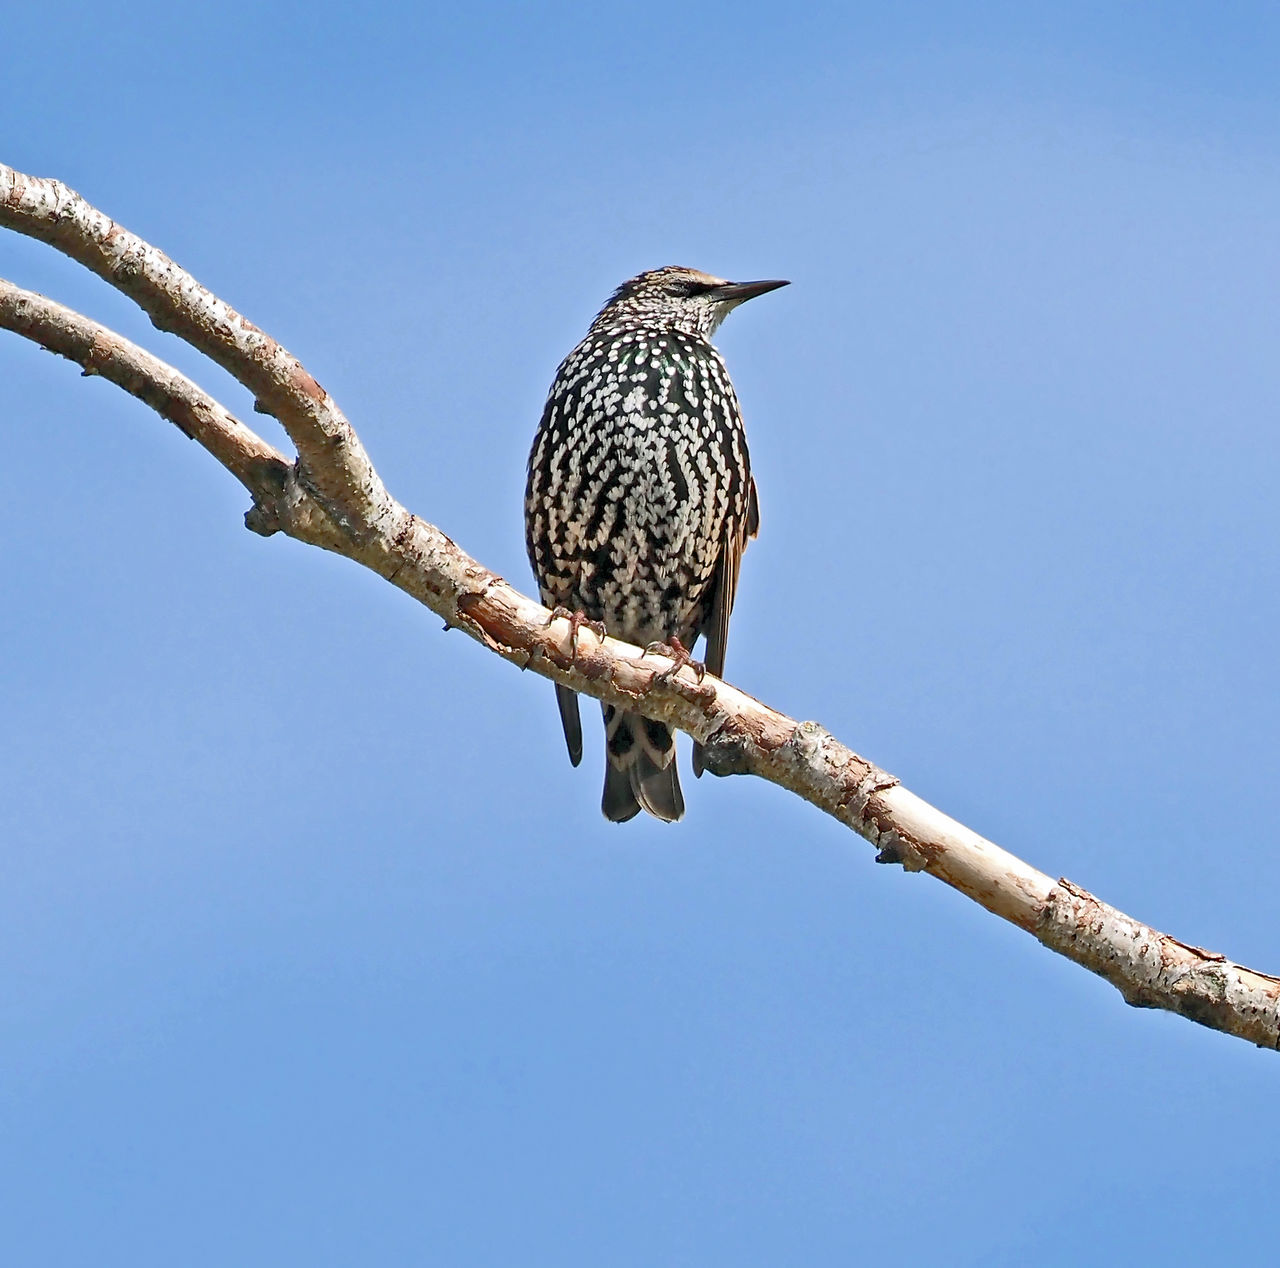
(638, 466)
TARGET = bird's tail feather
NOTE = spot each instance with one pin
(570, 720)
(640, 768)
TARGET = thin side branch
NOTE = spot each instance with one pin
(257, 465)
(338, 502)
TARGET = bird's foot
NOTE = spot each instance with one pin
(576, 621)
(679, 655)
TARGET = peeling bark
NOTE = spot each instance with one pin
(333, 498)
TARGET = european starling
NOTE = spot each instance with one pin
(640, 502)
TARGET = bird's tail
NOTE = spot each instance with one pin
(640, 768)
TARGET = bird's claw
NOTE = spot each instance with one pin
(576, 621)
(679, 655)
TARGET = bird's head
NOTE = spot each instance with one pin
(675, 298)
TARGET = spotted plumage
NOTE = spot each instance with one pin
(640, 501)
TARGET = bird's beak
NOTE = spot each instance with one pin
(739, 292)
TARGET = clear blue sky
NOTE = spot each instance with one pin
(313, 948)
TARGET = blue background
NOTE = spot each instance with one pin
(313, 948)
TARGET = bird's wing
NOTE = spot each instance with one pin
(724, 588)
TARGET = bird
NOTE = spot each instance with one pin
(640, 502)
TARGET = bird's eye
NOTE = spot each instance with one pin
(686, 290)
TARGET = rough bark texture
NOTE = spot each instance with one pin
(332, 497)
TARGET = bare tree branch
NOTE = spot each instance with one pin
(257, 465)
(332, 458)
(334, 499)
